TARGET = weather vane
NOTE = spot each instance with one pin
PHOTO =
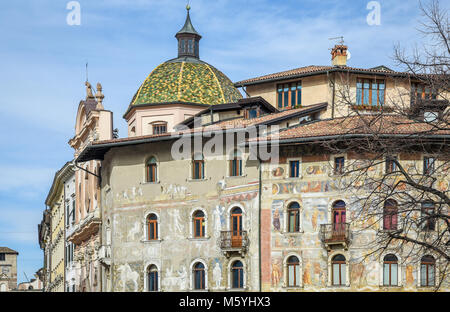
(336, 38)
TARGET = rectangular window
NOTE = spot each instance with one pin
(428, 165)
(2, 257)
(426, 275)
(198, 170)
(73, 210)
(289, 95)
(159, 128)
(391, 166)
(428, 221)
(421, 91)
(370, 92)
(235, 167)
(339, 165)
(294, 169)
(151, 173)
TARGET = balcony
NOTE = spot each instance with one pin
(335, 235)
(104, 255)
(233, 242)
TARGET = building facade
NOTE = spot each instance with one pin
(8, 269)
(195, 200)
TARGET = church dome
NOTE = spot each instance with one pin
(186, 79)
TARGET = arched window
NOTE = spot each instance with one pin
(390, 270)
(236, 164)
(427, 271)
(293, 217)
(293, 270)
(338, 270)
(152, 276)
(199, 224)
(237, 275)
(236, 227)
(199, 276)
(198, 167)
(151, 170)
(339, 218)
(390, 215)
(152, 227)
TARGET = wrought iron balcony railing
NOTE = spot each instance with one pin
(234, 241)
(335, 234)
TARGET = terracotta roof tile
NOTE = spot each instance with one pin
(311, 69)
(370, 124)
(8, 250)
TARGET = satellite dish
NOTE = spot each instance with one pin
(349, 55)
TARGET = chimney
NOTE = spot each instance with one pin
(339, 55)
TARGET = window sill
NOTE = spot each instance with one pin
(235, 177)
(198, 180)
(293, 233)
(199, 290)
(237, 289)
(200, 239)
(293, 287)
(391, 287)
(294, 178)
(154, 241)
(149, 183)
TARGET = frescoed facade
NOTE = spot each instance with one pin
(161, 210)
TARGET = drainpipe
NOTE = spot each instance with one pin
(259, 221)
(333, 93)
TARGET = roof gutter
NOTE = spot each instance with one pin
(342, 136)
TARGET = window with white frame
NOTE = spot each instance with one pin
(237, 275)
(152, 278)
(293, 214)
(390, 270)
(199, 276)
(338, 270)
(293, 272)
(427, 271)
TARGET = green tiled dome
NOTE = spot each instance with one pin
(187, 80)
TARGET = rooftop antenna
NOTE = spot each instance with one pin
(336, 38)
(26, 277)
(87, 71)
(341, 42)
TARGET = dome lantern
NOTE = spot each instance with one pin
(188, 39)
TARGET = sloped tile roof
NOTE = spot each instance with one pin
(370, 124)
(8, 250)
(312, 69)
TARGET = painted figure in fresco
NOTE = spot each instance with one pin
(276, 272)
(217, 275)
(409, 275)
(127, 275)
(218, 218)
(177, 225)
(314, 219)
(276, 219)
(307, 274)
(182, 278)
(278, 172)
(134, 230)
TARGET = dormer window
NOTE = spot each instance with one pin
(422, 91)
(251, 113)
(159, 127)
(430, 116)
(289, 95)
(370, 92)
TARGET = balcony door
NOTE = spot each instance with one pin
(339, 220)
(236, 227)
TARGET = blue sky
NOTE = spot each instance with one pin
(42, 66)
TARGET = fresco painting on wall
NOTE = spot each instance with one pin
(277, 214)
